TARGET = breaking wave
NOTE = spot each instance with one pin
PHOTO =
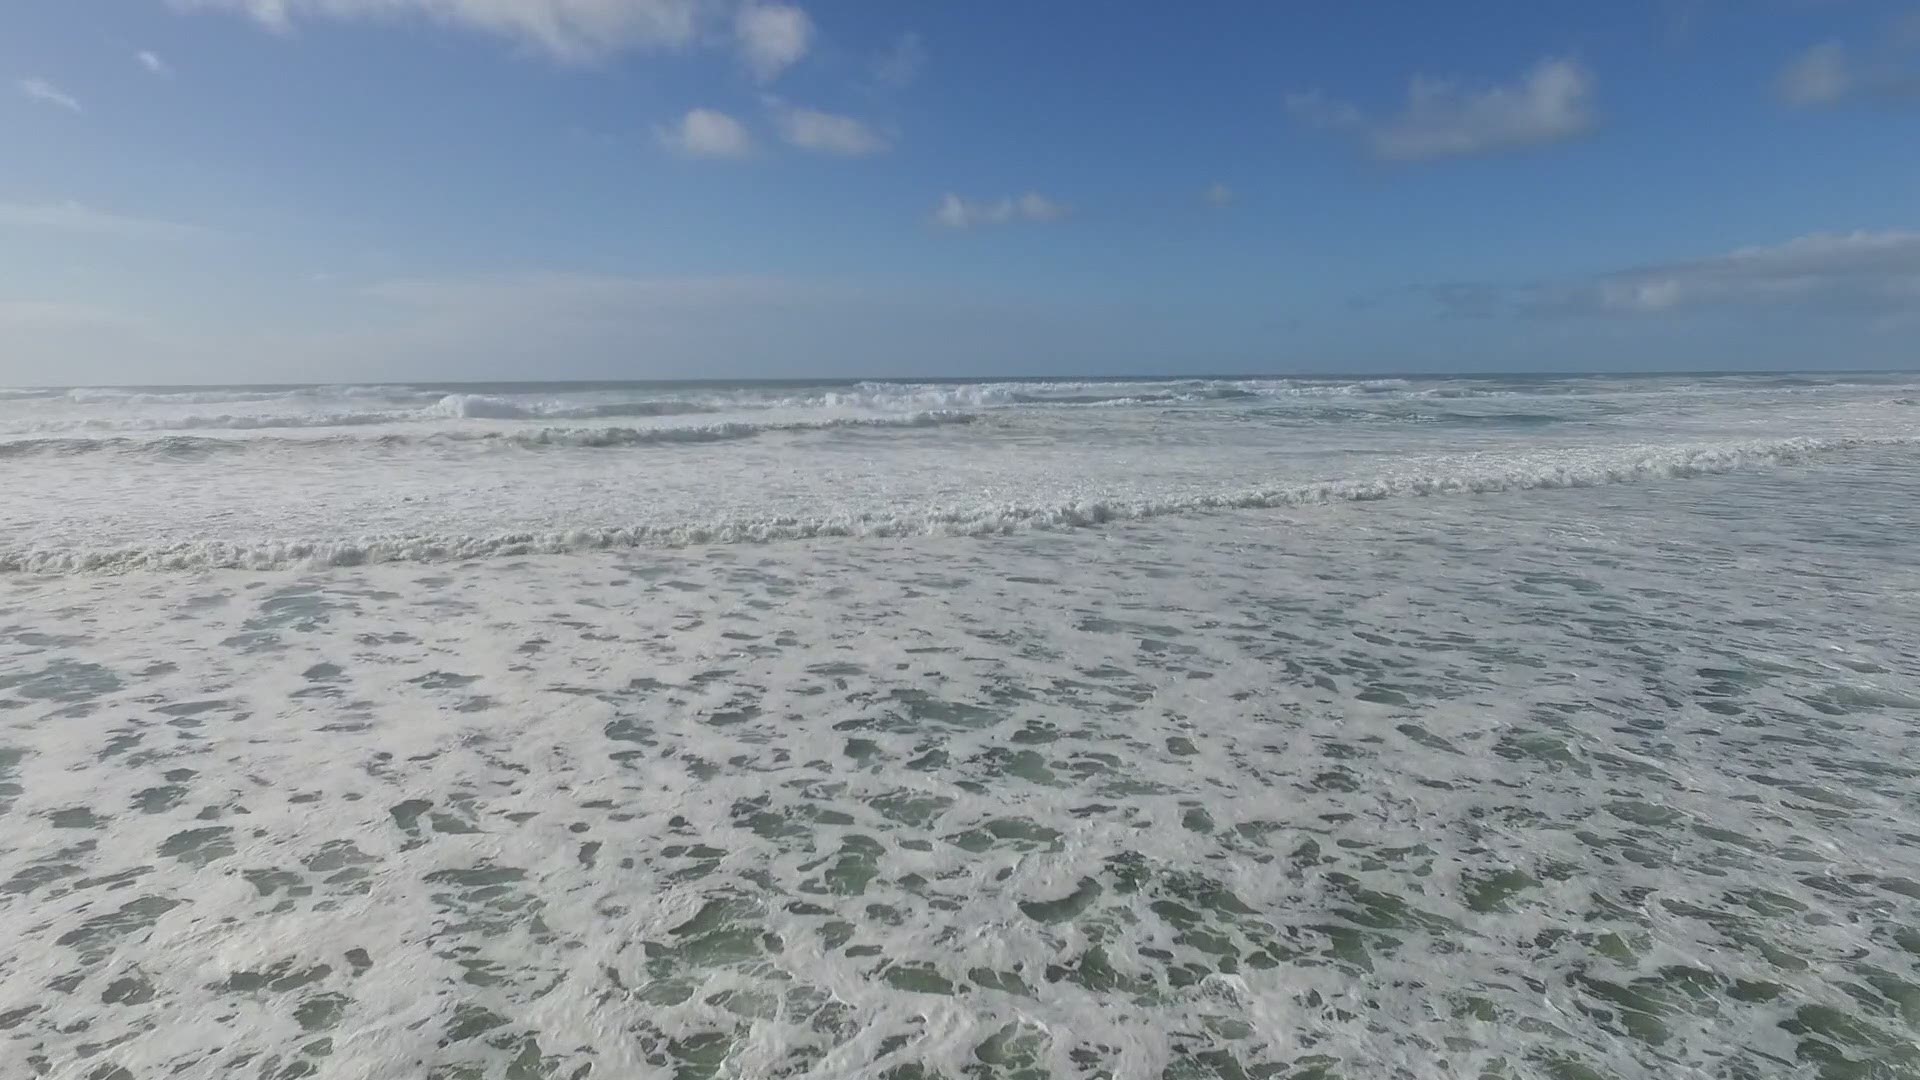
(1469, 475)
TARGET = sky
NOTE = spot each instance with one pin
(198, 191)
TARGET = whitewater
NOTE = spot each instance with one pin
(1500, 727)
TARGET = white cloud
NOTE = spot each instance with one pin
(1819, 76)
(1552, 102)
(153, 63)
(76, 218)
(43, 91)
(828, 133)
(1844, 269)
(772, 38)
(1219, 196)
(570, 30)
(902, 64)
(706, 133)
(1852, 273)
(955, 212)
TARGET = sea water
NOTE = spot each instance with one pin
(1558, 727)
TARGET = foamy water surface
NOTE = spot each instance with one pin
(1497, 728)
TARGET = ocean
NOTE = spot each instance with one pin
(1490, 727)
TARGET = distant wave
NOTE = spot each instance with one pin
(220, 422)
(432, 407)
(443, 407)
(1463, 392)
(1472, 475)
(489, 407)
(88, 395)
(190, 446)
(887, 395)
(89, 410)
(620, 436)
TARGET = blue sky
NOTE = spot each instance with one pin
(302, 190)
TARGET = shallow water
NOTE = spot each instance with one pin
(1608, 778)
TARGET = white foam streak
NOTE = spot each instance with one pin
(1465, 476)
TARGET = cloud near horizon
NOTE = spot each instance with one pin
(75, 217)
(1552, 102)
(1861, 272)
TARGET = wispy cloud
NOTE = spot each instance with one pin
(1844, 273)
(45, 92)
(829, 133)
(1904, 32)
(1819, 76)
(1442, 118)
(569, 30)
(707, 133)
(1219, 196)
(1316, 108)
(153, 63)
(772, 38)
(955, 212)
(1829, 73)
(900, 65)
(77, 218)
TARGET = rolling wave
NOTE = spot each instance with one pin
(1470, 475)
